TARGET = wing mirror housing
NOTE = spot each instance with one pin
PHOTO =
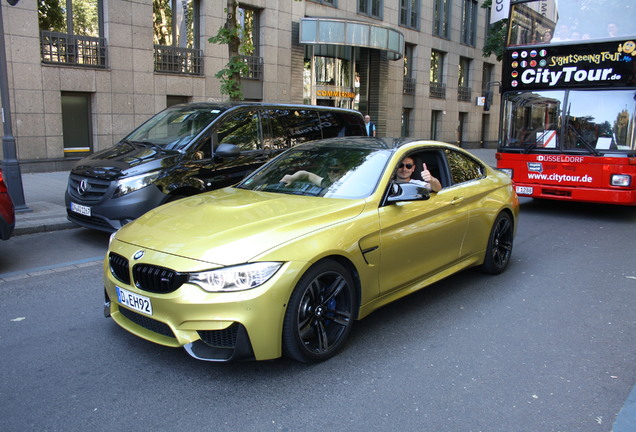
(407, 192)
(225, 150)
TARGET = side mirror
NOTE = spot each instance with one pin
(227, 151)
(407, 192)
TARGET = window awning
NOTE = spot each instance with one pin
(334, 31)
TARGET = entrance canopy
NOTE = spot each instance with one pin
(334, 31)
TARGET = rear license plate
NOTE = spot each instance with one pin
(81, 209)
(134, 301)
(524, 190)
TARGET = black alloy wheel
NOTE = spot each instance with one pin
(320, 313)
(499, 245)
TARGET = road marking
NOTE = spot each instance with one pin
(38, 271)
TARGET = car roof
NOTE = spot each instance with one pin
(374, 143)
(228, 105)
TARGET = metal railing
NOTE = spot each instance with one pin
(254, 67)
(177, 60)
(437, 90)
(63, 48)
(408, 87)
(464, 94)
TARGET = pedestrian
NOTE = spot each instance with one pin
(370, 125)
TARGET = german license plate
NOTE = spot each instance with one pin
(524, 190)
(134, 301)
(81, 209)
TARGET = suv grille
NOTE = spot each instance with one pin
(94, 189)
(157, 279)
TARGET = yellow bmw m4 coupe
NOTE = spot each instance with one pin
(285, 261)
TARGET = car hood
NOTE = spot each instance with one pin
(123, 159)
(232, 226)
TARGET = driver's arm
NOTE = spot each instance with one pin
(301, 175)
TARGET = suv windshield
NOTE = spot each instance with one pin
(175, 127)
(594, 122)
(332, 172)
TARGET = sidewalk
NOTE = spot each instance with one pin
(44, 196)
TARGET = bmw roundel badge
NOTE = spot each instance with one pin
(138, 254)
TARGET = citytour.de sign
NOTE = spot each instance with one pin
(584, 65)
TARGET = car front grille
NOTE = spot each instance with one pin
(119, 267)
(157, 279)
(92, 191)
(146, 277)
(147, 322)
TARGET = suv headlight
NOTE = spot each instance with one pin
(131, 184)
(238, 278)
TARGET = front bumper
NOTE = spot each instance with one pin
(210, 326)
(110, 214)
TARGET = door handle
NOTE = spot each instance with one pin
(457, 200)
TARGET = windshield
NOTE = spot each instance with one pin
(174, 128)
(332, 172)
(595, 122)
(552, 21)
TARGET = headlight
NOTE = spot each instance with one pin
(236, 278)
(507, 171)
(131, 184)
(621, 180)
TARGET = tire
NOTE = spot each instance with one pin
(499, 247)
(320, 313)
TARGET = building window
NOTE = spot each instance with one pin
(410, 13)
(409, 64)
(326, 2)
(176, 36)
(486, 76)
(438, 88)
(463, 80)
(406, 122)
(372, 8)
(436, 121)
(76, 124)
(71, 31)
(441, 18)
(250, 42)
(469, 22)
(176, 100)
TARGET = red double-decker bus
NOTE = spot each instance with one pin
(569, 100)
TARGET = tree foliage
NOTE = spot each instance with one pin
(52, 16)
(496, 38)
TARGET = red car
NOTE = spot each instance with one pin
(7, 211)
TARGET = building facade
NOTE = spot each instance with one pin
(84, 73)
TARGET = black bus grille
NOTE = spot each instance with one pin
(157, 279)
(147, 322)
(119, 267)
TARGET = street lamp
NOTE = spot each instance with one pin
(10, 164)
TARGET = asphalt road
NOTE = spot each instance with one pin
(546, 346)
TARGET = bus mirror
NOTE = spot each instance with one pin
(488, 100)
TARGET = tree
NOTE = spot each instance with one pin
(496, 37)
(230, 35)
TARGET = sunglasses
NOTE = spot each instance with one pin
(407, 166)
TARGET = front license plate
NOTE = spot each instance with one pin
(134, 301)
(81, 209)
(524, 190)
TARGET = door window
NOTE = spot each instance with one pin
(242, 130)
